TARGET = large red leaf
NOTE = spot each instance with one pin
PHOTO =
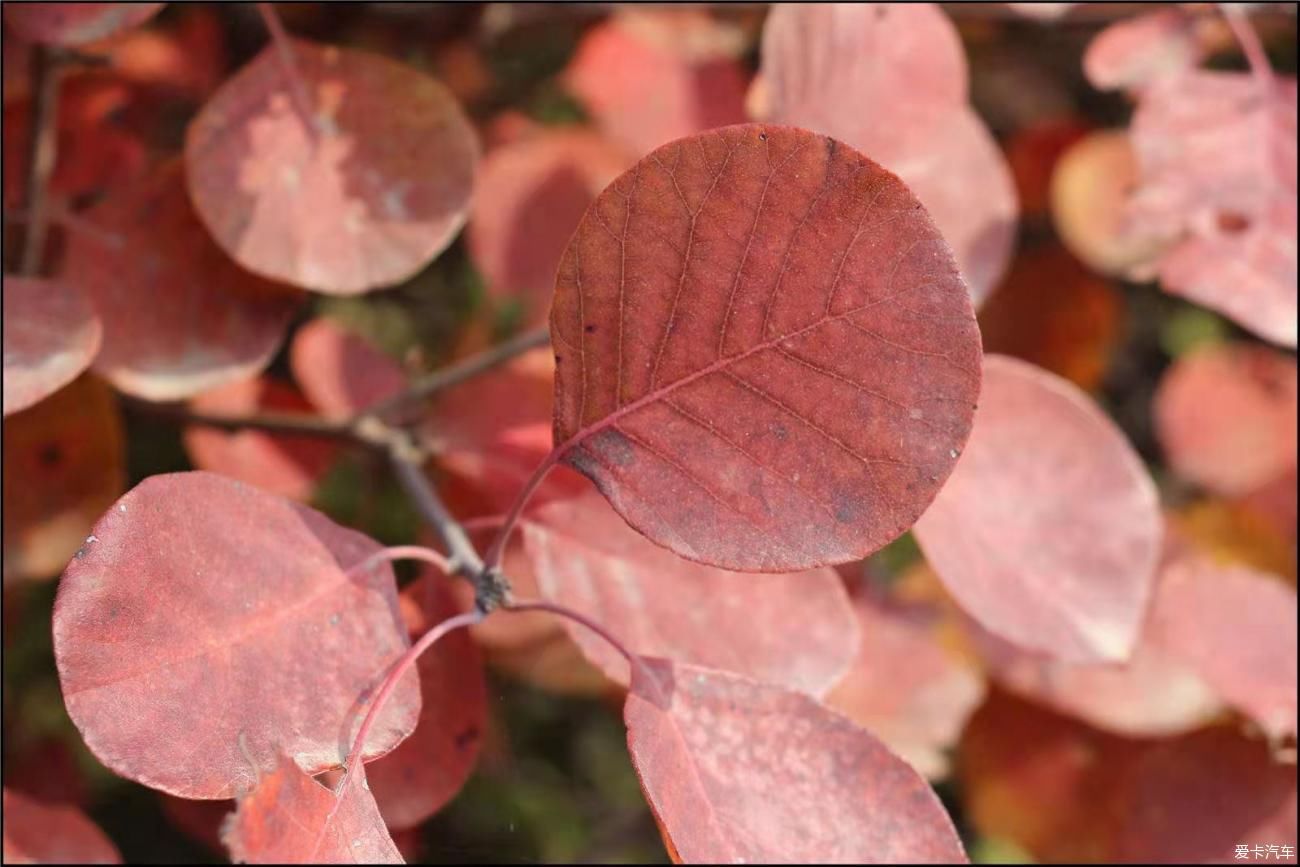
(1226, 417)
(905, 687)
(289, 818)
(179, 316)
(838, 69)
(794, 630)
(235, 623)
(75, 23)
(766, 358)
(1237, 629)
(37, 833)
(341, 373)
(531, 194)
(649, 76)
(286, 465)
(1217, 157)
(427, 769)
(51, 334)
(1049, 530)
(737, 770)
(363, 198)
(64, 464)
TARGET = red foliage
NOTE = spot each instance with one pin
(76, 23)
(36, 833)
(51, 334)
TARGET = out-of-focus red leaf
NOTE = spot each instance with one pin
(427, 769)
(340, 372)
(1217, 158)
(530, 196)
(234, 621)
(1237, 629)
(1032, 155)
(649, 76)
(188, 55)
(377, 186)
(1042, 11)
(286, 465)
(51, 334)
(1054, 313)
(820, 58)
(179, 317)
(1276, 503)
(289, 818)
(199, 820)
(75, 23)
(1090, 189)
(793, 630)
(740, 770)
(36, 833)
(64, 464)
(1234, 532)
(1048, 531)
(1135, 52)
(904, 687)
(1226, 417)
(759, 331)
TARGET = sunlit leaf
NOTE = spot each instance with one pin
(235, 621)
(51, 334)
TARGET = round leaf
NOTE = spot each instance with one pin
(51, 334)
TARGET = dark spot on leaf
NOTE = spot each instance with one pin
(612, 447)
(589, 328)
(762, 136)
(1232, 223)
(779, 431)
(845, 508)
(50, 455)
(466, 738)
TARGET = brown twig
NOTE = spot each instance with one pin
(42, 151)
(271, 422)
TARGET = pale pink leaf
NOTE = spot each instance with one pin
(51, 334)
(339, 372)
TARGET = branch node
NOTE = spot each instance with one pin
(491, 590)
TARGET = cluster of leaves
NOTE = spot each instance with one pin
(767, 364)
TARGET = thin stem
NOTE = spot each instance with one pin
(284, 49)
(493, 557)
(283, 423)
(410, 473)
(1248, 39)
(454, 374)
(408, 659)
(406, 552)
(42, 151)
(483, 522)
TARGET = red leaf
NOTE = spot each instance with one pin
(792, 630)
(341, 373)
(1226, 417)
(739, 770)
(1237, 629)
(1138, 51)
(427, 769)
(1218, 177)
(819, 58)
(50, 335)
(289, 466)
(36, 833)
(292, 819)
(905, 688)
(76, 23)
(649, 76)
(179, 317)
(227, 618)
(758, 332)
(380, 191)
(1049, 530)
(530, 196)
(64, 464)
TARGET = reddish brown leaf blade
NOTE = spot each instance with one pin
(1049, 530)
(179, 316)
(292, 819)
(64, 464)
(905, 688)
(820, 58)
(51, 334)
(766, 359)
(1237, 629)
(341, 373)
(286, 465)
(376, 187)
(227, 618)
(427, 769)
(531, 194)
(1226, 417)
(794, 630)
(37, 833)
(75, 23)
(737, 770)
